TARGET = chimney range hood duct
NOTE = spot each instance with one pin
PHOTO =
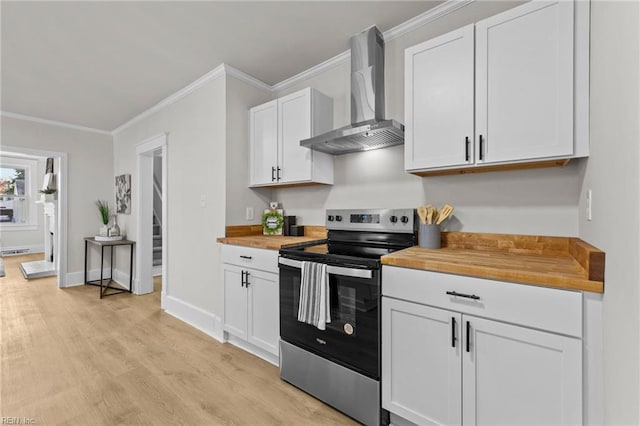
(368, 129)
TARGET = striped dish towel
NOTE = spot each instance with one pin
(314, 306)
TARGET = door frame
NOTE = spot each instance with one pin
(62, 184)
(145, 151)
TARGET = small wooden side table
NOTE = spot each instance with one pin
(104, 282)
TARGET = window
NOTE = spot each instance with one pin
(18, 193)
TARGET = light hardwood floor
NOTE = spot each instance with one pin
(69, 357)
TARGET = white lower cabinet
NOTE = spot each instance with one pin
(443, 365)
(251, 307)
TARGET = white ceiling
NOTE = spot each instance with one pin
(99, 64)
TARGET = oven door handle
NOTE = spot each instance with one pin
(333, 270)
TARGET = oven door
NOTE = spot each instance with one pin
(351, 338)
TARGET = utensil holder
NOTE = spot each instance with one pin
(429, 236)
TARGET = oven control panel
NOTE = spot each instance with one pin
(381, 220)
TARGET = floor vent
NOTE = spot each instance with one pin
(14, 252)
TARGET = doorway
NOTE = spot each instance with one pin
(150, 219)
(56, 243)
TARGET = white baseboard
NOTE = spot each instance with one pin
(204, 321)
(28, 249)
(252, 349)
(77, 278)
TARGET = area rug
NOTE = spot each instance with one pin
(38, 269)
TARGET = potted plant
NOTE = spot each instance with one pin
(49, 194)
(105, 215)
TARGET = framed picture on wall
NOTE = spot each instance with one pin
(123, 194)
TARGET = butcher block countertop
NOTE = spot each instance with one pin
(269, 242)
(251, 236)
(560, 262)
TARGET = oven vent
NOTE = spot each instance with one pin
(14, 252)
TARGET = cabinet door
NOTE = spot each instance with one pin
(263, 143)
(294, 124)
(421, 372)
(439, 101)
(519, 376)
(264, 312)
(524, 83)
(235, 301)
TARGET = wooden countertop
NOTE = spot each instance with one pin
(251, 236)
(567, 263)
(269, 242)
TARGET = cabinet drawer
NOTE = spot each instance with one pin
(558, 311)
(249, 257)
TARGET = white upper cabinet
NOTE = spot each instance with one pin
(277, 127)
(263, 123)
(510, 89)
(524, 83)
(439, 101)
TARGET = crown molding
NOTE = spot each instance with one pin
(430, 15)
(218, 71)
(313, 71)
(249, 79)
(52, 122)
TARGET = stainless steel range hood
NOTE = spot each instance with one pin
(368, 129)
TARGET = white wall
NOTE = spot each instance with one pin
(196, 168)
(612, 174)
(526, 202)
(240, 97)
(90, 168)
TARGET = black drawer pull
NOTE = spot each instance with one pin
(246, 257)
(273, 174)
(242, 279)
(481, 148)
(466, 148)
(468, 296)
(246, 279)
(453, 332)
(278, 174)
(468, 333)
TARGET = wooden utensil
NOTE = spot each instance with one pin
(422, 213)
(444, 214)
(429, 209)
(432, 215)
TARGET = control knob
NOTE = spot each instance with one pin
(330, 218)
(393, 219)
(404, 219)
(338, 218)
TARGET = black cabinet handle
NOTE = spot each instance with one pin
(246, 257)
(468, 333)
(453, 332)
(481, 148)
(273, 174)
(278, 173)
(246, 279)
(466, 148)
(242, 280)
(468, 296)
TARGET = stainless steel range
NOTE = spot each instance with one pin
(340, 365)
